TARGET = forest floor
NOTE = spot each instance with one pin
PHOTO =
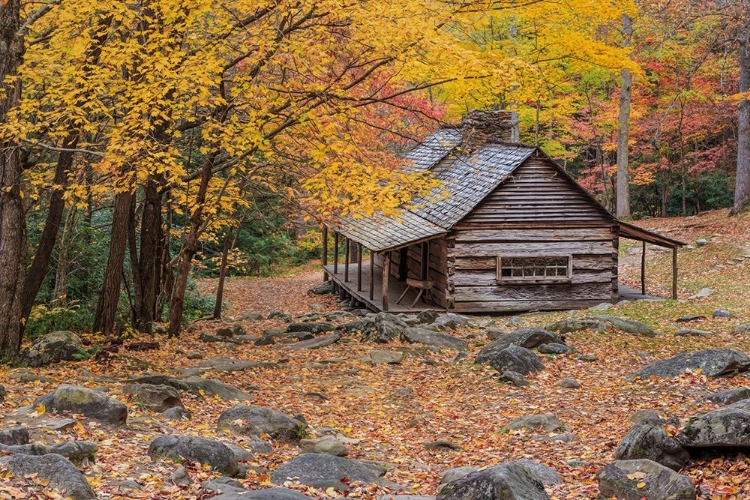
(391, 411)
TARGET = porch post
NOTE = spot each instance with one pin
(674, 273)
(643, 270)
(386, 275)
(335, 253)
(346, 259)
(325, 252)
(359, 267)
(372, 274)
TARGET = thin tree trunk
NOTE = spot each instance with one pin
(623, 177)
(63, 254)
(150, 229)
(742, 186)
(229, 242)
(106, 309)
(12, 223)
(135, 269)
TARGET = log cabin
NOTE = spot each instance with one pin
(515, 233)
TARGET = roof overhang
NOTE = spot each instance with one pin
(637, 233)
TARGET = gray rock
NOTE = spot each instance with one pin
(627, 325)
(264, 494)
(181, 476)
(646, 415)
(703, 293)
(326, 444)
(721, 428)
(61, 474)
(589, 358)
(701, 242)
(514, 378)
(326, 471)
(691, 332)
(523, 337)
(649, 441)
(565, 437)
(722, 313)
(280, 315)
(729, 396)
(502, 482)
(380, 357)
(240, 453)
(569, 383)
(579, 324)
(93, 404)
(322, 288)
(544, 421)
(690, 317)
(253, 420)
(516, 359)
(428, 316)
(456, 473)
(129, 484)
(449, 321)
(493, 333)
(406, 497)
(553, 349)
(15, 436)
(315, 343)
(253, 316)
(441, 444)
(622, 478)
(176, 413)
(24, 375)
(53, 348)
(72, 450)
(258, 445)
(712, 362)
(225, 365)
(154, 397)
(210, 388)
(196, 449)
(547, 475)
(433, 338)
(311, 326)
(742, 328)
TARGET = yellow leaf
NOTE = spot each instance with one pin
(642, 484)
(40, 409)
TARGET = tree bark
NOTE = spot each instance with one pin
(229, 241)
(63, 255)
(742, 186)
(106, 308)
(623, 177)
(12, 223)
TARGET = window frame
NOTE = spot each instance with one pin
(525, 280)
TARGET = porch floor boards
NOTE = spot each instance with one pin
(395, 289)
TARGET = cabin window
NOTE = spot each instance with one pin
(524, 269)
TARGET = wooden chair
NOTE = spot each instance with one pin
(421, 285)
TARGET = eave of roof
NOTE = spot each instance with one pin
(638, 233)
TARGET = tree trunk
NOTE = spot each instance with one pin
(43, 254)
(623, 177)
(12, 223)
(63, 255)
(106, 309)
(150, 229)
(177, 304)
(229, 242)
(742, 186)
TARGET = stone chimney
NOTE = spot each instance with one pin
(479, 127)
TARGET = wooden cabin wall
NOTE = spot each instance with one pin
(436, 270)
(536, 213)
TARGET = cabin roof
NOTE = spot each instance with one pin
(469, 175)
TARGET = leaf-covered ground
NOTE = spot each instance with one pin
(393, 410)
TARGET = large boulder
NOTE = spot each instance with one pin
(727, 427)
(711, 362)
(627, 325)
(154, 397)
(547, 422)
(311, 326)
(196, 449)
(52, 348)
(93, 404)
(516, 359)
(196, 385)
(729, 396)
(72, 450)
(314, 343)
(57, 470)
(523, 337)
(579, 324)
(433, 338)
(648, 440)
(325, 444)
(638, 479)
(14, 436)
(251, 420)
(321, 470)
(264, 494)
(509, 481)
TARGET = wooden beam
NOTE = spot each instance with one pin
(347, 255)
(372, 275)
(335, 253)
(325, 251)
(386, 275)
(674, 273)
(359, 267)
(643, 269)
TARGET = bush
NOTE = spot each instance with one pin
(43, 320)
